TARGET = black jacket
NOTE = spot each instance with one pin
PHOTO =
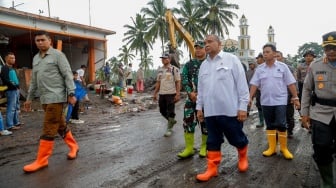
(5, 78)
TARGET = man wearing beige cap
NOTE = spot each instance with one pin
(318, 108)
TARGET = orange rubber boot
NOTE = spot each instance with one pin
(214, 158)
(44, 152)
(71, 142)
(243, 161)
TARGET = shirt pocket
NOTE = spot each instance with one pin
(321, 81)
(223, 73)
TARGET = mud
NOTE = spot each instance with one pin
(126, 148)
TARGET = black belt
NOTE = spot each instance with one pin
(327, 102)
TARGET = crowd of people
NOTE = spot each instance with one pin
(219, 99)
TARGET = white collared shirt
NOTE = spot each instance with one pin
(222, 86)
(273, 82)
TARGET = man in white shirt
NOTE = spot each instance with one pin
(81, 72)
(223, 94)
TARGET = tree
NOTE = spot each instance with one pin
(146, 63)
(155, 16)
(125, 56)
(135, 36)
(189, 17)
(315, 47)
(218, 15)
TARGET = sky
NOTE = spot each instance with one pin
(295, 22)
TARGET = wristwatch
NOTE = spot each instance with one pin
(71, 95)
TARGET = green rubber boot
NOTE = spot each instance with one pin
(189, 146)
(171, 123)
(327, 176)
(203, 150)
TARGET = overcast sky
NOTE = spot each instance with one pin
(295, 22)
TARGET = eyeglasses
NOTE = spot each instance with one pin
(328, 48)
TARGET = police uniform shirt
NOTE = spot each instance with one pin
(167, 76)
(302, 72)
(321, 77)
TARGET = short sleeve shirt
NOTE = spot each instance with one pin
(167, 76)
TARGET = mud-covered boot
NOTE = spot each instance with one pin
(214, 158)
(203, 151)
(43, 154)
(189, 146)
(261, 120)
(72, 144)
(242, 161)
(271, 138)
(327, 176)
(171, 123)
(283, 145)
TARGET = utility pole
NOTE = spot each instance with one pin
(48, 9)
(89, 12)
(13, 4)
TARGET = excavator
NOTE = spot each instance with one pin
(174, 25)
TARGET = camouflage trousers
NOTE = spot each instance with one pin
(54, 121)
(189, 118)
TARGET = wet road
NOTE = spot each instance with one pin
(129, 150)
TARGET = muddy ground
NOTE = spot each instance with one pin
(127, 149)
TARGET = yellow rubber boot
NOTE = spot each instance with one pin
(283, 145)
(214, 159)
(271, 137)
(72, 144)
(243, 161)
(189, 146)
(43, 154)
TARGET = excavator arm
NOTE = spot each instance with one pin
(174, 25)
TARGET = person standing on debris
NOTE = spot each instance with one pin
(140, 80)
(10, 79)
(318, 108)
(223, 94)
(189, 83)
(81, 72)
(121, 75)
(273, 78)
(80, 93)
(129, 75)
(107, 72)
(168, 85)
(52, 78)
(290, 108)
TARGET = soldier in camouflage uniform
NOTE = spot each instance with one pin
(189, 83)
(318, 108)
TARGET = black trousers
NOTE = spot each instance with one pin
(323, 139)
(167, 105)
(75, 109)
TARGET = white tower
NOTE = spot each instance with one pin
(244, 51)
(270, 34)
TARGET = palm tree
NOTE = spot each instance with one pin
(218, 15)
(155, 15)
(189, 17)
(146, 63)
(135, 36)
(125, 56)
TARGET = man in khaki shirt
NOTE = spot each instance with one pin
(168, 84)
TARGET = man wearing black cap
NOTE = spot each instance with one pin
(168, 85)
(318, 108)
(189, 83)
(301, 73)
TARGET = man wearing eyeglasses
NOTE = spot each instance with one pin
(319, 108)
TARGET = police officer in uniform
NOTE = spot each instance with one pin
(319, 108)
